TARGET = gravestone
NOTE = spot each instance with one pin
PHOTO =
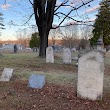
(100, 44)
(90, 75)
(7, 74)
(49, 55)
(66, 56)
(36, 81)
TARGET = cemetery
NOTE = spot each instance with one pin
(55, 55)
(28, 82)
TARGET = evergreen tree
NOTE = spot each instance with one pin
(35, 40)
(102, 24)
(1, 22)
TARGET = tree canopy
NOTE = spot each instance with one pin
(102, 24)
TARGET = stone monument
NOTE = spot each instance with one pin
(49, 55)
(67, 56)
(7, 74)
(90, 75)
(36, 81)
(100, 45)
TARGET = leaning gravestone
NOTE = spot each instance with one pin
(66, 56)
(36, 81)
(90, 75)
(7, 74)
(49, 55)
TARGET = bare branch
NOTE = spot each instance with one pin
(5, 2)
(73, 10)
(62, 4)
(57, 16)
(71, 25)
(31, 2)
(28, 19)
(11, 22)
(82, 2)
(2, 28)
(67, 16)
(1, 24)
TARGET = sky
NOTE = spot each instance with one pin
(17, 12)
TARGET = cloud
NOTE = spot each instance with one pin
(74, 3)
(70, 22)
(91, 9)
(92, 19)
(5, 6)
(11, 0)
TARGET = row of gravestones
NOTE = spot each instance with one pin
(90, 76)
(66, 55)
(35, 81)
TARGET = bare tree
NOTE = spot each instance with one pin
(46, 10)
(69, 35)
(86, 34)
(54, 35)
(23, 36)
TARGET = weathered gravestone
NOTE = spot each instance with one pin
(100, 44)
(90, 75)
(36, 81)
(7, 74)
(49, 55)
(66, 56)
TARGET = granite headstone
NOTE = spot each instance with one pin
(36, 81)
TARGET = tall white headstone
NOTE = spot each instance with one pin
(49, 55)
(90, 75)
(67, 55)
(7, 74)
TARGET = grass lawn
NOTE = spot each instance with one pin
(59, 92)
(25, 64)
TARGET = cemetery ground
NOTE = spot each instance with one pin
(60, 91)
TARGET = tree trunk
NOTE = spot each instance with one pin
(44, 13)
(43, 44)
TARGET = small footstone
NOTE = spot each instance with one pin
(36, 81)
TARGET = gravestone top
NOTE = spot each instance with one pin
(6, 74)
(36, 81)
(90, 75)
(98, 55)
(99, 41)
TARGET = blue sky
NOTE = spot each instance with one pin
(18, 12)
